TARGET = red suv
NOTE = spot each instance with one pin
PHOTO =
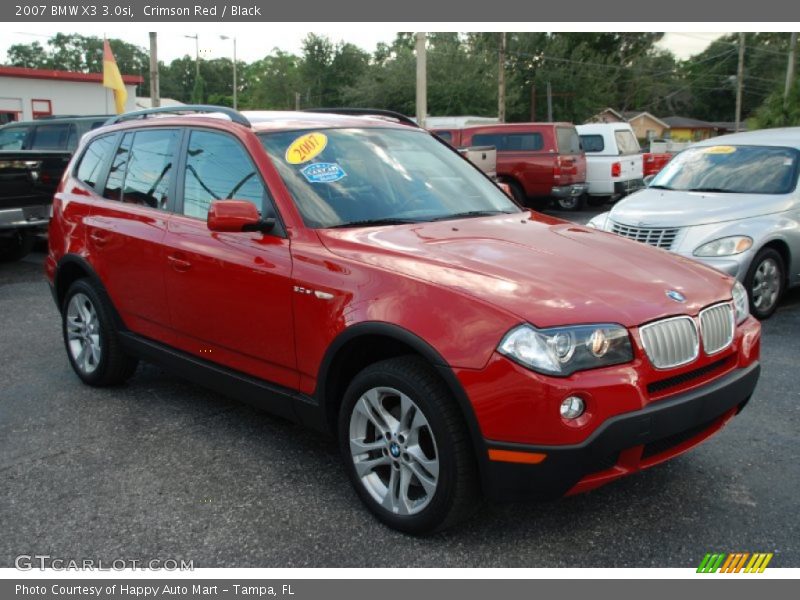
(536, 160)
(357, 275)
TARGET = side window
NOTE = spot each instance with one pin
(116, 174)
(150, 168)
(445, 135)
(626, 142)
(510, 142)
(218, 168)
(94, 159)
(51, 137)
(13, 138)
(593, 143)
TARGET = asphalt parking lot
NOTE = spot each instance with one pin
(163, 469)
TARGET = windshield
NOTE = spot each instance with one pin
(731, 169)
(342, 177)
(12, 138)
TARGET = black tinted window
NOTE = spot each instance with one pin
(12, 138)
(592, 143)
(52, 137)
(568, 140)
(150, 168)
(116, 175)
(445, 135)
(510, 142)
(94, 159)
(218, 168)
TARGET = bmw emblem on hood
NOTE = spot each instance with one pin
(675, 295)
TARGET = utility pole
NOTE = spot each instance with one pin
(549, 103)
(155, 96)
(422, 80)
(297, 100)
(225, 37)
(501, 80)
(739, 82)
(196, 39)
(533, 103)
(790, 67)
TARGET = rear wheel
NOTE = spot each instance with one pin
(517, 192)
(764, 282)
(91, 338)
(16, 246)
(570, 202)
(406, 447)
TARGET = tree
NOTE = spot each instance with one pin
(777, 112)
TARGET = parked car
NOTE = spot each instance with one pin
(33, 155)
(358, 276)
(613, 160)
(536, 160)
(730, 202)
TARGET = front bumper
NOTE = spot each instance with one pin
(623, 444)
(569, 191)
(735, 266)
(623, 188)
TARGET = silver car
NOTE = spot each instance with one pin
(731, 202)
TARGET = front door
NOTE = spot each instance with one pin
(230, 294)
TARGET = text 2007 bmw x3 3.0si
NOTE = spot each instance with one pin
(354, 273)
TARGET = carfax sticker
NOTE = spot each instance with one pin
(306, 147)
(719, 150)
(323, 172)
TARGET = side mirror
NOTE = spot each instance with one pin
(233, 216)
(648, 180)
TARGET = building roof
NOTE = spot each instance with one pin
(729, 125)
(26, 73)
(687, 123)
(630, 115)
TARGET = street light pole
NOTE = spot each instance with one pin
(225, 37)
(196, 39)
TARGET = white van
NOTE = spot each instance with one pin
(613, 160)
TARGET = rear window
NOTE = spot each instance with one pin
(58, 136)
(568, 140)
(510, 142)
(593, 143)
(12, 138)
(626, 142)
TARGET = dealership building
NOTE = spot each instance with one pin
(34, 93)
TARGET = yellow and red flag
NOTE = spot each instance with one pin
(113, 79)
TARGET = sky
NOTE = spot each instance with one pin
(255, 40)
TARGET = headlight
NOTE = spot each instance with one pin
(563, 350)
(727, 246)
(740, 302)
(598, 221)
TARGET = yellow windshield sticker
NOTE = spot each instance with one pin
(306, 147)
(719, 150)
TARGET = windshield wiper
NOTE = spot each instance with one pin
(659, 187)
(371, 222)
(471, 213)
(709, 189)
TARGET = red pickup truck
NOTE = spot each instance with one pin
(653, 162)
(536, 160)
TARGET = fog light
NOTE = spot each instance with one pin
(572, 407)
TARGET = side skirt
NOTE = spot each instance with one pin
(278, 400)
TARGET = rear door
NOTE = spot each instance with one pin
(126, 228)
(230, 294)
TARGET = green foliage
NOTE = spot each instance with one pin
(777, 112)
(198, 91)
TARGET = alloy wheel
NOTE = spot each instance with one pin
(83, 333)
(766, 285)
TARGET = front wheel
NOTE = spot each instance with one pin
(765, 282)
(406, 447)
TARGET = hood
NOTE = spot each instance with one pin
(668, 208)
(543, 270)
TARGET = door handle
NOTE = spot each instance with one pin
(179, 264)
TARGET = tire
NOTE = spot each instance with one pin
(399, 424)
(571, 203)
(765, 282)
(90, 337)
(517, 192)
(17, 246)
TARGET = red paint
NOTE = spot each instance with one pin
(652, 163)
(27, 73)
(247, 300)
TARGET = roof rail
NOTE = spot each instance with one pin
(233, 115)
(377, 112)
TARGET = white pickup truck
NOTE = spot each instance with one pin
(613, 160)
